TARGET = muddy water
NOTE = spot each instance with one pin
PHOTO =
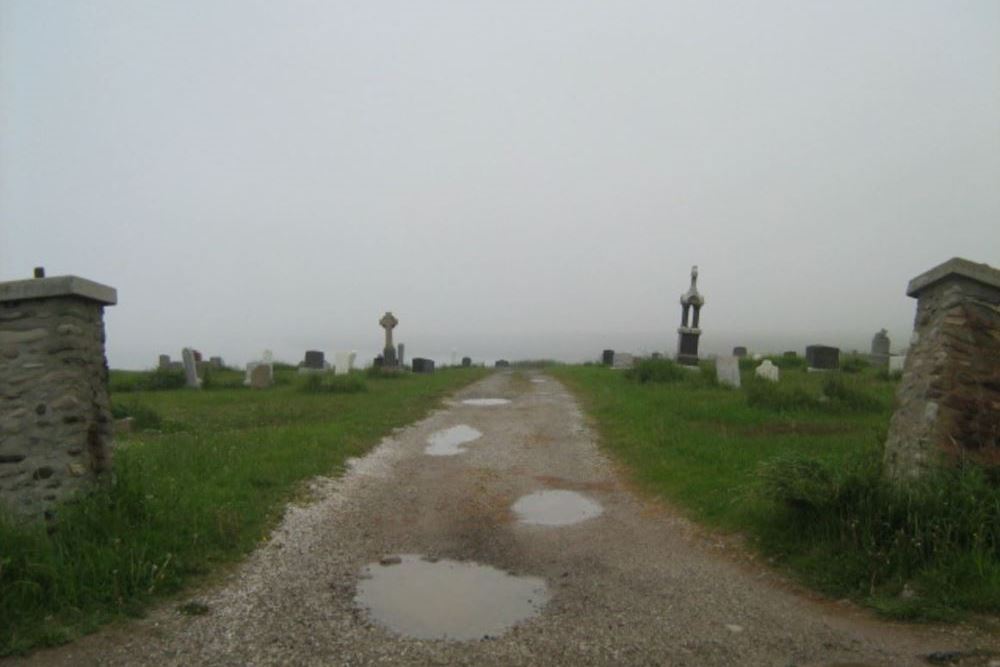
(449, 441)
(447, 599)
(483, 402)
(556, 508)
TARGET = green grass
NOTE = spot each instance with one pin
(199, 484)
(796, 467)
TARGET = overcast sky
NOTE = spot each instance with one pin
(517, 178)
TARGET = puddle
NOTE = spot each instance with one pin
(538, 380)
(486, 401)
(449, 441)
(556, 508)
(447, 599)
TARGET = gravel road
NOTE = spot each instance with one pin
(636, 585)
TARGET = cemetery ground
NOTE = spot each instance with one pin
(198, 483)
(783, 476)
(794, 470)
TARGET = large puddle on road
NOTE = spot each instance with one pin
(449, 441)
(447, 599)
(486, 401)
(556, 508)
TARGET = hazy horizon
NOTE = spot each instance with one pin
(516, 180)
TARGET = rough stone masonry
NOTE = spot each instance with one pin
(948, 401)
(55, 415)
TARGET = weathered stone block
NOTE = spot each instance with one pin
(948, 400)
(53, 390)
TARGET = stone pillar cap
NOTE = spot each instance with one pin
(56, 286)
(954, 267)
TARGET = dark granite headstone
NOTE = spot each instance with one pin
(608, 357)
(378, 362)
(501, 363)
(314, 359)
(466, 362)
(791, 354)
(823, 357)
(739, 351)
(657, 356)
(421, 365)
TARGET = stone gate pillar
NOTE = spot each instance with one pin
(55, 416)
(948, 401)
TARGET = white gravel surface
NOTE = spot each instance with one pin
(636, 585)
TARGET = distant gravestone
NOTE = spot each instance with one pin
(190, 368)
(823, 357)
(164, 362)
(388, 322)
(401, 353)
(261, 376)
(657, 356)
(608, 357)
(466, 362)
(501, 363)
(768, 371)
(314, 360)
(739, 351)
(880, 348)
(341, 363)
(421, 365)
(623, 360)
(215, 362)
(687, 335)
(727, 370)
(791, 354)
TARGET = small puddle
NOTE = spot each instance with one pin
(447, 599)
(556, 508)
(486, 401)
(449, 441)
(538, 380)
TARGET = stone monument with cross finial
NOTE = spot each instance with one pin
(687, 334)
(389, 322)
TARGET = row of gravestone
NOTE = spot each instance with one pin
(818, 357)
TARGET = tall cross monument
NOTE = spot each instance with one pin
(389, 322)
(687, 336)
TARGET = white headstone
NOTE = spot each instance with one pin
(190, 368)
(896, 363)
(341, 363)
(768, 371)
(727, 370)
(268, 357)
(623, 360)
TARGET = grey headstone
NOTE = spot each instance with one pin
(727, 370)
(215, 362)
(608, 357)
(880, 348)
(823, 357)
(739, 351)
(261, 376)
(466, 362)
(190, 368)
(401, 353)
(501, 363)
(421, 365)
(623, 360)
(164, 361)
(314, 359)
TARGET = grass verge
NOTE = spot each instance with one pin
(185, 499)
(797, 468)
